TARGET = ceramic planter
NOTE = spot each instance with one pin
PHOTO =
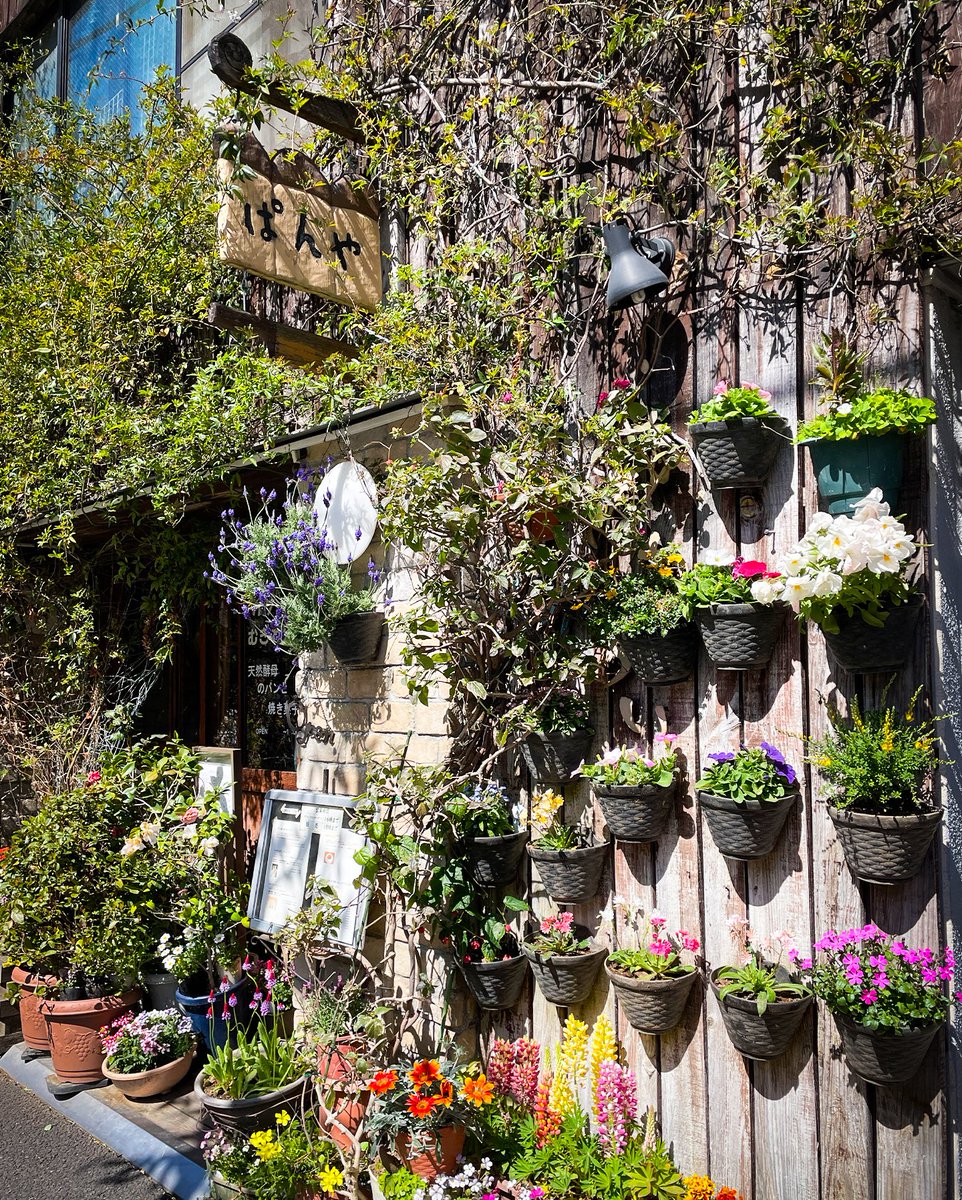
(494, 860)
(427, 1161)
(760, 1037)
(355, 639)
(496, 985)
(161, 989)
(33, 1027)
(661, 660)
(885, 849)
(141, 1085)
(846, 471)
(74, 1028)
(884, 1058)
(566, 979)
(745, 830)
(635, 814)
(739, 452)
(571, 876)
(866, 648)
(555, 757)
(740, 637)
(336, 1063)
(213, 1029)
(652, 1006)
(254, 1112)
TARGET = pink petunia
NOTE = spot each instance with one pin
(622, 383)
(869, 996)
(748, 568)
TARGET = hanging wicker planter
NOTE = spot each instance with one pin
(764, 1036)
(884, 1058)
(866, 648)
(652, 1006)
(661, 660)
(555, 757)
(496, 985)
(739, 452)
(885, 849)
(571, 876)
(355, 639)
(566, 979)
(636, 814)
(747, 829)
(494, 860)
(740, 637)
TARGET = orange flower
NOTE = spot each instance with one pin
(727, 1193)
(383, 1081)
(478, 1091)
(425, 1072)
(421, 1106)
(445, 1093)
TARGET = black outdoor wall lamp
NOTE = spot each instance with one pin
(640, 266)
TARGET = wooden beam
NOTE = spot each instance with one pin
(297, 345)
(233, 63)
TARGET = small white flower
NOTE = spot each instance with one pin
(208, 846)
(766, 591)
(716, 558)
(844, 409)
(134, 843)
(826, 583)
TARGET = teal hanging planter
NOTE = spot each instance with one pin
(846, 471)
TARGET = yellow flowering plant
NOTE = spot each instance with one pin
(878, 761)
(292, 1159)
(644, 603)
(548, 829)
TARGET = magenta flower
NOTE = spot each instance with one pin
(869, 996)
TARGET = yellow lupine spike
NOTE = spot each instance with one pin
(602, 1047)
(574, 1049)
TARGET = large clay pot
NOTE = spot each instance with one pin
(760, 1037)
(427, 1161)
(571, 876)
(141, 1085)
(496, 985)
(746, 829)
(355, 639)
(32, 1025)
(740, 451)
(255, 1112)
(74, 1027)
(885, 849)
(652, 1006)
(635, 814)
(884, 1058)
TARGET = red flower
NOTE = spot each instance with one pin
(425, 1072)
(93, 776)
(421, 1106)
(190, 817)
(383, 1081)
(748, 568)
(622, 383)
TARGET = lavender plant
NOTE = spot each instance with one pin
(280, 570)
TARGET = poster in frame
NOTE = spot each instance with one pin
(220, 772)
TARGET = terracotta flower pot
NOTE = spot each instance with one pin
(428, 1161)
(571, 876)
(635, 814)
(748, 829)
(652, 1006)
(32, 1024)
(335, 1063)
(343, 1116)
(884, 1058)
(141, 1085)
(74, 1027)
(760, 1037)
(885, 849)
(355, 639)
(255, 1112)
(496, 985)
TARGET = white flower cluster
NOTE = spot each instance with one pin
(835, 548)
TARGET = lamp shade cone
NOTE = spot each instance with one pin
(633, 275)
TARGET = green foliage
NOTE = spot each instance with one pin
(401, 1184)
(252, 1063)
(646, 963)
(294, 1158)
(879, 761)
(645, 602)
(627, 767)
(488, 937)
(562, 712)
(756, 774)
(706, 583)
(759, 981)
(730, 403)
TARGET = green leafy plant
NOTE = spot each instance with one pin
(556, 935)
(252, 1063)
(659, 957)
(483, 810)
(878, 761)
(735, 581)
(561, 712)
(548, 829)
(147, 1040)
(762, 977)
(852, 408)
(417, 1097)
(295, 1158)
(485, 935)
(624, 766)
(731, 403)
(645, 602)
(750, 774)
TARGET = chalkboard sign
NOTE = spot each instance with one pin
(304, 839)
(271, 705)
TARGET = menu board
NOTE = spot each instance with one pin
(304, 839)
(270, 705)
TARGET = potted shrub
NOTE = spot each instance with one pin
(563, 959)
(737, 609)
(570, 861)
(746, 798)
(737, 435)
(148, 1054)
(761, 1004)
(281, 571)
(489, 955)
(422, 1111)
(857, 440)
(256, 1074)
(848, 575)
(653, 982)
(559, 739)
(650, 622)
(290, 1161)
(877, 765)
(635, 793)
(484, 821)
(888, 999)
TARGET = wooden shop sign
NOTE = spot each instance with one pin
(314, 238)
